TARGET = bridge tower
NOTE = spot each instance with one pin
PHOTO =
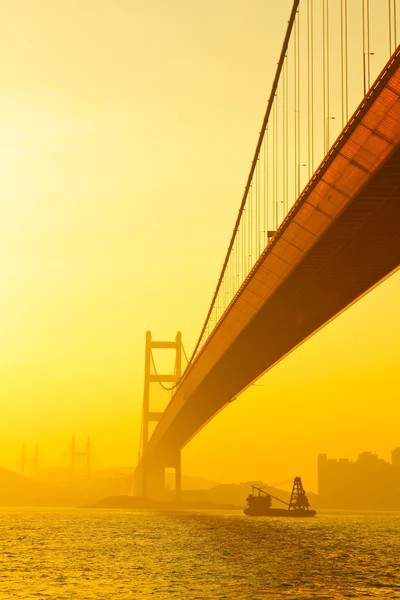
(33, 460)
(152, 477)
(80, 453)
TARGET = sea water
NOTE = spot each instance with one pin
(79, 554)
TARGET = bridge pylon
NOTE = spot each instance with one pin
(33, 460)
(150, 477)
(83, 453)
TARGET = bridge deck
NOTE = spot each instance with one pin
(341, 238)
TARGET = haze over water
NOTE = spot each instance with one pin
(127, 132)
(89, 554)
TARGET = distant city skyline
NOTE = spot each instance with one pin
(369, 482)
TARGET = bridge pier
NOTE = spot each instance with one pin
(174, 462)
(154, 483)
(149, 479)
(178, 478)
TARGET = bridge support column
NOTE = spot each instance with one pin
(149, 481)
(34, 460)
(150, 377)
(154, 483)
(178, 478)
(137, 481)
(85, 454)
(150, 476)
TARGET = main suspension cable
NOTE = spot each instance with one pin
(252, 169)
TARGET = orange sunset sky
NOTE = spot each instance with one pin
(127, 129)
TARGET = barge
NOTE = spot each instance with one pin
(259, 503)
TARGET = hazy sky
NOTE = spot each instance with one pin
(127, 129)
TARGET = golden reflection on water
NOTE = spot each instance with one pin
(88, 554)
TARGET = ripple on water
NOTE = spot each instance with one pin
(84, 555)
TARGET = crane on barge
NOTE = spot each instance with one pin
(259, 504)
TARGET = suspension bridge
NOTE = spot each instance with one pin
(318, 224)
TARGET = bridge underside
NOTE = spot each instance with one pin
(340, 240)
(355, 254)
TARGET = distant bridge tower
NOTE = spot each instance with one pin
(153, 476)
(33, 460)
(80, 453)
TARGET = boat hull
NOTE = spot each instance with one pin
(280, 512)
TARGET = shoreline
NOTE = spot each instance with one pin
(132, 502)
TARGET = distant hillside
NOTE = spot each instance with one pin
(16, 490)
(126, 502)
(226, 496)
(54, 487)
(236, 494)
(62, 475)
(189, 482)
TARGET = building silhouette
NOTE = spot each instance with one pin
(369, 483)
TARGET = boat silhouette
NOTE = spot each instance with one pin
(259, 503)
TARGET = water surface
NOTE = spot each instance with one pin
(79, 554)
